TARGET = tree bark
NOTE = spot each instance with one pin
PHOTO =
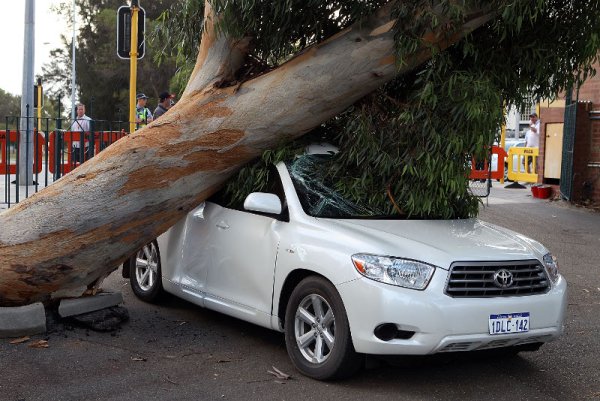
(80, 228)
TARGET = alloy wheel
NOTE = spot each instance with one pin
(146, 266)
(314, 328)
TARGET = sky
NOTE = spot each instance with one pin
(48, 28)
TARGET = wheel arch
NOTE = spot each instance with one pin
(291, 281)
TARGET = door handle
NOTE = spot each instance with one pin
(223, 225)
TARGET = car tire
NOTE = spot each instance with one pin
(145, 273)
(317, 333)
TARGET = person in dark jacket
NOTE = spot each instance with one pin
(165, 101)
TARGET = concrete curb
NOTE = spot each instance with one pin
(78, 306)
(21, 321)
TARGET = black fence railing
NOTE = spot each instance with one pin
(35, 152)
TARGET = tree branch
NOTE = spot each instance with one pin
(219, 57)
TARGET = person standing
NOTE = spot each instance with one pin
(143, 116)
(81, 124)
(532, 138)
(165, 101)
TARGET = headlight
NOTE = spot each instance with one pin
(396, 271)
(551, 267)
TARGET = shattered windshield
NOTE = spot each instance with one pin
(317, 195)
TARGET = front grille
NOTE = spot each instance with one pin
(476, 279)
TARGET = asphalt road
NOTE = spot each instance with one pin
(177, 351)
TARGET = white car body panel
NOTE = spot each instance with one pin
(237, 263)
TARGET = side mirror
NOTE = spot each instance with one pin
(263, 202)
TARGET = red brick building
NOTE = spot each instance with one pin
(570, 144)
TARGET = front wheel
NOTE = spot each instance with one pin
(317, 333)
(145, 273)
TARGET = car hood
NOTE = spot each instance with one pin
(441, 242)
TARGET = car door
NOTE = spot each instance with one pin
(240, 275)
(194, 252)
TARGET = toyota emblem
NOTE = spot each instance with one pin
(503, 278)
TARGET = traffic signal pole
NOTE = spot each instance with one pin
(133, 55)
(39, 104)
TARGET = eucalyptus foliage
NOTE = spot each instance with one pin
(406, 147)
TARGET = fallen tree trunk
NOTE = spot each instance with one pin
(79, 229)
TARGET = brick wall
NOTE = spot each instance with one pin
(590, 90)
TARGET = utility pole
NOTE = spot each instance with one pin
(27, 122)
(73, 76)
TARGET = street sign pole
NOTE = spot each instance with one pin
(133, 55)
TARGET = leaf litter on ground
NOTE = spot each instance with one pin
(20, 340)
(279, 374)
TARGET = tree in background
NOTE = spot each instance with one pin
(10, 105)
(411, 89)
(103, 78)
(10, 110)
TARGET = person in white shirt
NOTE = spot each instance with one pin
(80, 124)
(532, 137)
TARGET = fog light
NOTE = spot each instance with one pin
(389, 331)
(386, 331)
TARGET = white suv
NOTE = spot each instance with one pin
(340, 280)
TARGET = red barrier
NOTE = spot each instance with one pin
(483, 173)
(67, 160)
(11, 165)
(104, 139)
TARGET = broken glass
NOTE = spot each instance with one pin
(316, 192)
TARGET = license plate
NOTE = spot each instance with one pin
(508, 323)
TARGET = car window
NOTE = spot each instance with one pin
(272, 185)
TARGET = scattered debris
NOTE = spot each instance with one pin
(104, 320)
(20, 340)
(138, 359)
(586, 290)
(91, 291)
(170, 381)
(39, 344)
(279, 374)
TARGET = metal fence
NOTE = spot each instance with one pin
(34, 152)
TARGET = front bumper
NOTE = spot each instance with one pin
(442, 323)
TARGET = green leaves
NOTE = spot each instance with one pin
(411, 142)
